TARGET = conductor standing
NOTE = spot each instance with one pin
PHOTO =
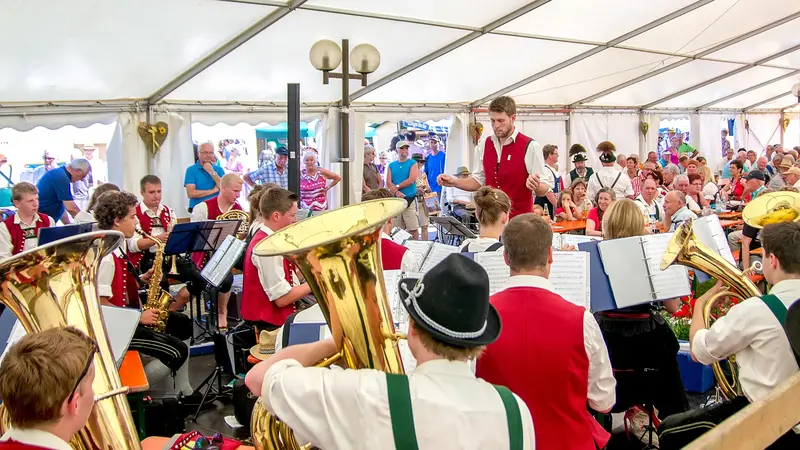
(508, 160)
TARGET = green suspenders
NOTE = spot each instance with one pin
(405, 437)
(779, 311)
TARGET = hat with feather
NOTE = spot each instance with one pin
(578, 153)
(606, 150)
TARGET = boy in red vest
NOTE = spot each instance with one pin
(270, 286)
(117, 285)
(58, 363)
(20, 232)
(551, 352)
(230, 186)
(507, 160)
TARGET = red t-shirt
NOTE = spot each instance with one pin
(593, 216)
(562, 210)
(738, 189)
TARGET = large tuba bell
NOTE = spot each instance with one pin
(55, 285)
(685, 249)
(236, 214)
(775, 207)
(339, 255)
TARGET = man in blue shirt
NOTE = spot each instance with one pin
(55, 195)
(202, 178)
(401, 178)
(271, 172)
(434, 166)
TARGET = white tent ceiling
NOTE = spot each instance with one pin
(655, 54)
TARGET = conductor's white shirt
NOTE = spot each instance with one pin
(534, 159)
(751, 332)
(349, 409)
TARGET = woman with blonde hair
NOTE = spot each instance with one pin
(642, 347)
(492, 207)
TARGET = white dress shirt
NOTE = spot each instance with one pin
(38, 438)
(409, 261)
(84, 216)
(157, 228)
(654, 210)
(534, 159)
(105, 274)
(548, 176)
(6, 247)
(479, 244)
(454, 193)
(602, 392)
(200, 212)
(751, 332)
(271, 273)
(607, 175)
(349, 409)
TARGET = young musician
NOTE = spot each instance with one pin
(118, 286)
(87, 215)
(442, 405)
(270, 286)
(20, 232)
(570, 368)
(753, 331)
(230, 188)
(46, 386)
(492, 207)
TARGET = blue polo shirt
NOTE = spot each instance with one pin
(434, 167)
(202, 181)
(54, 190)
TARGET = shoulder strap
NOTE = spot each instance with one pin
(513, 416)
(405, 437)
(597, 176)
(615, 180)
(778, 309)
(494, 247)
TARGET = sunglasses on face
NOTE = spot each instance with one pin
(89, 362)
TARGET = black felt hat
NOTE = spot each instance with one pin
(451, 302)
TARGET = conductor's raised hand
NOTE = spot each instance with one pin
(446, 180)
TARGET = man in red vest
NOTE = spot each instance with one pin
(551, 352)
(270, 286)
(46, 385)
(508, 160)
(230, 188)
(117, 285)
(20, 232)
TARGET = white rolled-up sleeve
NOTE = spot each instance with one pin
(271, 275)
(200, 213)
(730, 334)
(602, 384)
(534, 160)
(105, 276)
(477, 166)
(5, 242)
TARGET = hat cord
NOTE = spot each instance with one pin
(417, 291)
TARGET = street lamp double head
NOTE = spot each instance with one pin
(326, 56)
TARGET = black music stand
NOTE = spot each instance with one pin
(452, 229)
(52, 234)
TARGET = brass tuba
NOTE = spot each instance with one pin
(685, 249)
(236, 214)
(339, 254)
(55, 285)
(775, 207)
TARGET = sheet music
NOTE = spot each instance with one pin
(400, 235)
(575, 239)
(709, 231)
(670, 283)
(557, 241)
(437, 254)
(497, 269)
(390, 279)
(223, 260)
(419, 249)
(569, 275)
(625, 265)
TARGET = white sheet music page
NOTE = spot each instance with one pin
(709, 231)
(437, 254)
(390, 279)
(419, 249)
(400, 235)
(575, 239)
(569, 275)
(497, 269)
(557, 240)
(670, 283)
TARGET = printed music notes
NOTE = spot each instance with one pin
(670, 283)
(560, 240)
(569, 275)
(709, 231)
(400, 235)
(420, 250)
(437, 254)
(497, 269)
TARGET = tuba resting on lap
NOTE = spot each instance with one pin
(55, 285)
(339, 254)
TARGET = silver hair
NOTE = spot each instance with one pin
(309, 153)
(682, 178)
(368, 149)
(81, 164)
(672, 168)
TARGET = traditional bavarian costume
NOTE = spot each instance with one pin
(585, 173)
(508, 171)
(213, 212)
(22, 236)
(151, 223)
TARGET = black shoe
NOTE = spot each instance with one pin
(194, 400)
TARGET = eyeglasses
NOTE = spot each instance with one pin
(89, 362)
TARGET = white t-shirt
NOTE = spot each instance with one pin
(479, 244)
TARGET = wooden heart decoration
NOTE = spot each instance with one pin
(153, 135)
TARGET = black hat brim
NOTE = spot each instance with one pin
(490, 334)
(579, 158)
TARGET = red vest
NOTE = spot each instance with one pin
(392, 254)
(510, 173)
(146, 223)
(14, 445)
(256, 305)
(124, 289)
(541, 357)
(214, 211)
(18, 236)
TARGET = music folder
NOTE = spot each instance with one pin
(52, 234)
(201, 236)
(223, 260)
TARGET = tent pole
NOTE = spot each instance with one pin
(754, 105)
(750, 89)
(293, 135)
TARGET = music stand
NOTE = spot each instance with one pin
(453, 229)
(52, 234)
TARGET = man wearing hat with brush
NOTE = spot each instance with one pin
(442, 405)
(578, 154)
(608, 176)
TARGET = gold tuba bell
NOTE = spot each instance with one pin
(236, 214)
(55, 285)
(339, 254)
(775, 207)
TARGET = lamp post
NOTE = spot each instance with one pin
(364, 59)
